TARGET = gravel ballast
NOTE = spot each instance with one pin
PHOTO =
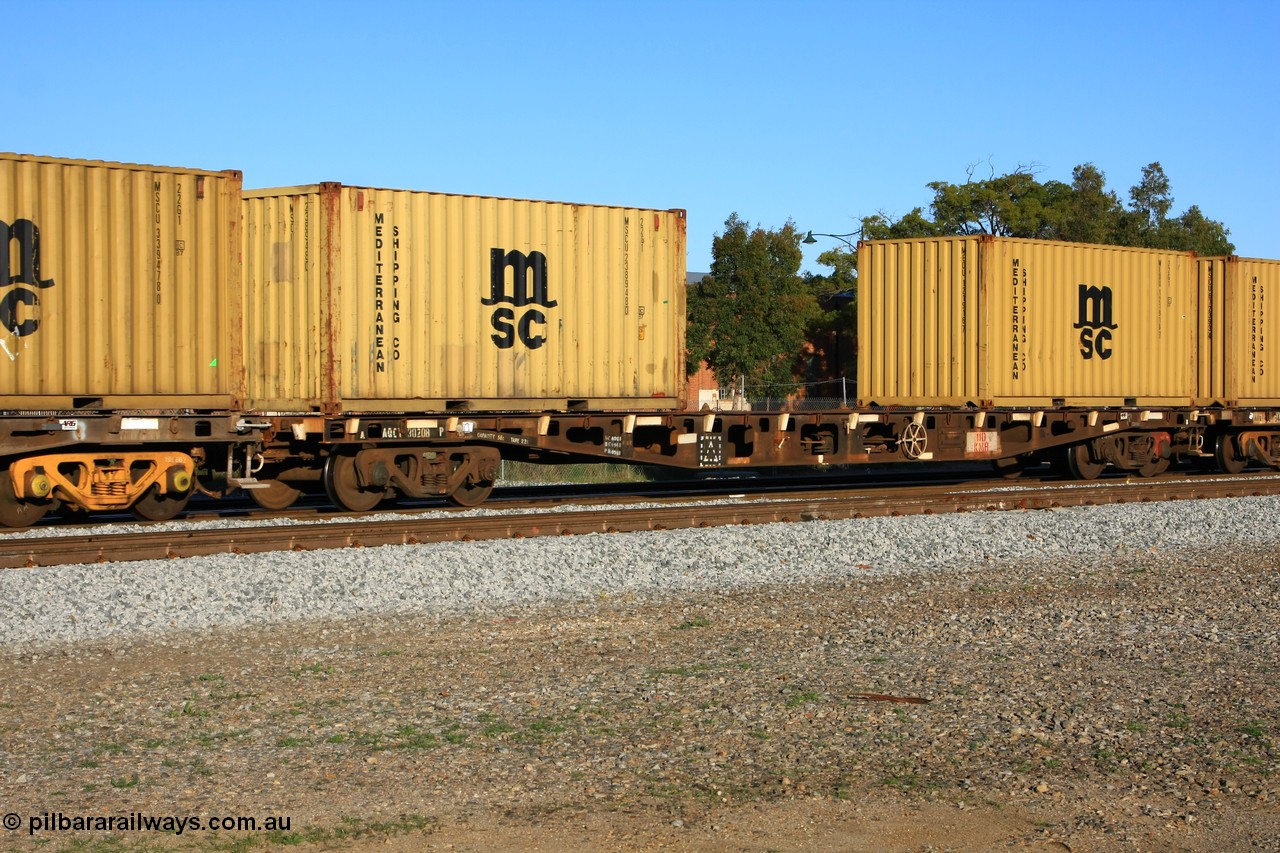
(1094, 679)
(129, 599)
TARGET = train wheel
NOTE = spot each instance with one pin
(16, 513)
(276, 496)
(154, 506)
(1154, 468)
(342, 487)
(1226, 452)
(1080, 466)
(471, 493)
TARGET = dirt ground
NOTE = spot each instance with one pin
(1127, 707)
(892, 825)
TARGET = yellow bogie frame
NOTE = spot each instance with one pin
(112, 480)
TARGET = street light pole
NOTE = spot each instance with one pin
(809, 238)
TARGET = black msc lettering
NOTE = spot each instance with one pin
(27, 236)
(1095, 322)
(528, 287)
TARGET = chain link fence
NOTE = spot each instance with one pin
(801, 397)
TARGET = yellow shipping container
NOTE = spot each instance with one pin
(1237, 295)
(992, 321)
(362, 299)
(120, 286)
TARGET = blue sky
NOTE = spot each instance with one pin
(818, 112)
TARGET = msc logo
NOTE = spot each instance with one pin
(12, 317)
(1095, 322)
(528, 287)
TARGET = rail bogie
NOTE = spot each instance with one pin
(111, 462)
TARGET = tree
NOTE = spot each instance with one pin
(1009, 205)
(1019, 205)
(1150, 197)
(1194, 232)
(748, 318)
(834, 329)
(880, 227)
(1087, 212)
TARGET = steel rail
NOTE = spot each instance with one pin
(172, 544)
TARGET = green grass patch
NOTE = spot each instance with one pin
(803, 698)
(497, 728)
(412, 737)
(311, 669)
(1253, 730)
(905, 782)
(679, 670)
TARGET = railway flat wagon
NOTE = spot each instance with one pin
(120, 339)
(361, 299)
(1000, 322)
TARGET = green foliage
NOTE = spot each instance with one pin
(834, 328)
(1011, 205)
(1017, 204)
(749, 317)
(1087, 211)
(914, 224)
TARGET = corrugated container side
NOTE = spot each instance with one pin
(122, 285)
(1251, 315)
(1008, 322)
(1091, 325)
(463, 302)
(1211, 289)
(918, 333)
(285, 310)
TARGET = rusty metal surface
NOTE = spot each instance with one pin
(759, 438)
(989, 321)
(60, 550)
(119, 285)
(393, 300)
